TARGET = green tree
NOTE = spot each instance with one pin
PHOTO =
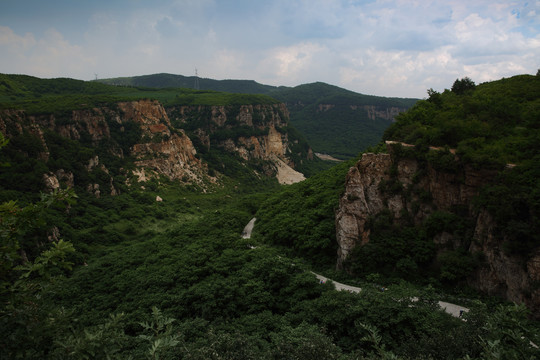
(462, 86)
(24, 318)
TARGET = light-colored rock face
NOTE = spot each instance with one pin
(163, 150)
(363, 198)
(270, 144)
(174, 158)
(166, 153)
(274, 143)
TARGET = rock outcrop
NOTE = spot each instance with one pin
(366, 195)
(143, 131)
(158, 149)
(252, 132)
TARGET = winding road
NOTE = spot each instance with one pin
(452, 309)
(246, 234)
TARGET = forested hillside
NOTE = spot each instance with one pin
(158, 268)
(192, 82)
(339, 122)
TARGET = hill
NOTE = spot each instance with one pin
(120, 232)
(196, 137)
(335, 121)
(164, 80)
(449, 199)
(339, 122)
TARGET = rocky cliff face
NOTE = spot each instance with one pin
(249, 131)
(366, 196)
(142, 131)
(140, 128)
(162, 150)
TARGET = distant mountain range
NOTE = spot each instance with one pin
(334, 120)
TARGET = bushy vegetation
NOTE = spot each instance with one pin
(496, 126)
(334, 121)
(301, 217)
(173, 280)
(129, 277)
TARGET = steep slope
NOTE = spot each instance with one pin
(257, 134)
(337, 121)
(97, 148)
(460, 203)
(102, 138)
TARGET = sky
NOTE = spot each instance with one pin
(397, 48)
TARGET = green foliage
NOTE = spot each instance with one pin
(160, 334)
(102, 341)
(493, 127)
(396, 252)
(60, 96)
(301, 216)
(462, 86)
(513, 200)
(24, 316)
(492, 122)
(334, 120)
(507, 336)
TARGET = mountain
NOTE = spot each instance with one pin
(339, 122)
(122, 209)
(335, 121)
(164, 80)
(121, 136)
(456, 194)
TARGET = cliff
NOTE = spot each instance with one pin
(251, 132)
(138, 130)
(132, 141)
(411, 191)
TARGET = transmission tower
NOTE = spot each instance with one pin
(196, 86)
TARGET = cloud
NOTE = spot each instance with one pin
(381, 47)
(49, 55)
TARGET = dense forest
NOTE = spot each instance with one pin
(126, 276)
(495, 126)
(337, 121)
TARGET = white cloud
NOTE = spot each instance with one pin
(381, 47)
(47, 56)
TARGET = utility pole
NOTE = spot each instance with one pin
(196, 86)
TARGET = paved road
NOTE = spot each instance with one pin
(452, 309)
(246, 234)
(339, 286)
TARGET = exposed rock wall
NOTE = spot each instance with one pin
(268, 140)
(364, 197)
(161, 150)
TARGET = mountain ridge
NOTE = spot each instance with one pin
(335, 121)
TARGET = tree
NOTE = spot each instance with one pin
(463, 86)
